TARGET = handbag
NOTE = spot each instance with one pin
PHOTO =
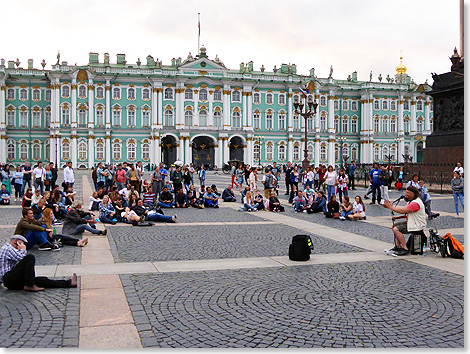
(336, 215)
(38, 180)
(401, 223)
(46, 182)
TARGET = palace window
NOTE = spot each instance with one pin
(65, 116)
(99, 117)
(48, 95)
(217, 95)
(116, 93)
(23, 118)
(256, 152)
(419, 125)
(131, 93)
(82, 118)
(36, 119)
(269, 98)
(384, 125)
(376, 125)
(145, 118)
(168, 93)
(345, 125)
(385, 105)
(188, 94)
(100, 151)
(296, 98)
(131, 151)
(82, 91)
(336, 105)
(236, 96)
(36, 150)
(65, 91)
(376, 105)
(323, 153)
(236, 119)
(282, 121)
(269, 120)
(376, 153)
(36, 95)
(322, 122)
(116, 151)
(431, 124)
(11, 118)
(354, 126)
(384, 153)
(354, 105)
(168, 118)
(131, 121)
(310, 123)
(336, 124)
(296, 122)
(203, 95)
(407, 149)
(269, 152)
(353, 154)
(406, 105)
(217, 119)
(345, 105)
(11, 151)
(99, 92)
(282, 99)
(23, 94)
(282, 153)
(203, 118)
(23, 151)
(296, 153)
(146, 94)
(47, 152)
(82, 150)
(256, 98)
(393, 105)
(310, 152)
(65, 151)
(406, 125)
(419, 105)
(116, 117)
(393, 125)
(145, 151)
(256, 120)
(336, 152)
(10, 94)
(188, 118)
(323, 101)
(393, 152)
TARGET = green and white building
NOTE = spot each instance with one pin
(197, 110)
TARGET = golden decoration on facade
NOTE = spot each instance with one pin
(401, 69)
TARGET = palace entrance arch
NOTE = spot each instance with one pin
(203, 152)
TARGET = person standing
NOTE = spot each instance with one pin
(287, 173)
(351, 175)
(48, 178)
(375, 183)
(54, 175)
(27, 171)
(18, 182)
(457, 190)
(202, 176)
(459, 169)
(69, 176)
(233, 171)
(268, 182)
(101, 175)
(400, 178)
(331, 180)
(39, 175)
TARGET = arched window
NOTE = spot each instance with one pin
(256, 152)
(36, 118)
(269, 98)
(236, 119)
(131, 93)
(323, 101)
(236, 96)
(131, 151)
(168, 93)
(336, 105)
(269, 120)
(256, 120)
(82, 151)
(217, 95)
(282, 153)
(385, 105)
(406, 126)
(66, 151)
(296, 122)
(323, 122)
(345, 105)
(10, 151)
(393, 125)
(65, 91)
(384, 153)
(36, 95)
(116, 151)
(376, 125)
(393, 105)
(217, 119)
(269, 152)
(393, 153)
(99, 117)
(336, 153)
(385, 125)
(419, 125)
(47, 152)
(282, 99)
(336, 124)
(310, 152)
(256, 98)
(82, 118)
(131, 120)
(10, 94)
(36, 150)
(203, 95)
(376, 153)
(376, 105)
(116, 116)
(65, 115)
(145, 117)
(419, 105)
(168, 118)
(23, 94)
(23, 117)
(345, 125)
(353, 153)
(354, 105)
(146, 94)
(99, 92)
(145, 151)
(23, 151)
(100, 151)
(282, 121)
(323, 152)
(296, 153)
(188, 94)
(116, 93)
(188, 118)
(47, 117)
(82, 91)
(406, 105)
(310, 123)
(354, 126)
(406, 149)
(203, 118)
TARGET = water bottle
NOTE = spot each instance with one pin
(424, 250)
(54, 231)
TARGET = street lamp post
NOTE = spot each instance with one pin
(341, 139)
(397, 141)
(259, 138)
(306, 108)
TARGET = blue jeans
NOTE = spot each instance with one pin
(40, 186)
(458, 196)
(248, 207)
(201, 181)
(186, 186)
(106, 220)
(159, 217)
(25, 182)
(82, 227)
(330, 190)
(376, 192)
(299, 206)
(209, 203)
(344, 214)
(34, 237)
(120, 186)
(18, 190)
(342, 192)
(165, 205)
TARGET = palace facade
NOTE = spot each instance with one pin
(196, 110)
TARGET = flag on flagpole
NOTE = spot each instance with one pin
(199, 23)
(304, 91)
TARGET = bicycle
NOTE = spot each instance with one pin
(436, 242)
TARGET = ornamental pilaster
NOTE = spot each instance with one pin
(290, 114)
(74, 105)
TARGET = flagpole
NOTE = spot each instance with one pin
(199, 32)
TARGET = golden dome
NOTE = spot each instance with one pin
(401, 69)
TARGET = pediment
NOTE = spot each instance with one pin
(203, 64)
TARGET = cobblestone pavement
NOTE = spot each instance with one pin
(373, 304)
(210, 242)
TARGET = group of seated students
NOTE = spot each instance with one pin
(311, 201)
(253, 200)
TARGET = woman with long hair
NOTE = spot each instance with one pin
(18, 182)
(26, 203)
(457, 190)
(359, 209)
(248, 202)
(6, 177)
(346, 208)
(48, 177)
(48, 217)
(342, 188)
(331, 180)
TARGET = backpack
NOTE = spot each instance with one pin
(452, 247)
(268, 182)
(416, 243)
(300, 248)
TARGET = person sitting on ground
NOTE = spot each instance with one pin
(359, 209)
(258, 199)
(119, 208)
(193, 201)
(152, 215)
(319, 203)
(293, 193)
(215, 191)
(148, 197)
(77, 221)
(94, 202)
(166, 198)
(36, 196)
(248, 202)
(210, 198)
(300, 203)
(228, 195)
(243, 193)
(332, 208)
(309, 194)
(124, 191)
(131, 194)
(48, 218)
(346, 208)
(70, 195)
(17, 269)
(101, 192)
(107, 212)
(274, 203)
(130, 216)
(5, 196)
(34, 231)
(415, 219)
(59, 213)
(181, 200)
(39, 208)
(26, 203)
(202, 191)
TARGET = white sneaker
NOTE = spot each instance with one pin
(304, 211)
(174, 218)
(342, 218)
(456, 217)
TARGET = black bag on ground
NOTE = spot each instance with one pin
(415, 243)
(450, 251)
(300, 248)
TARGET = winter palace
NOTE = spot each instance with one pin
(197, 110)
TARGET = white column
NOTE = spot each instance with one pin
(59, 151)
(249, 112)
(413, 116)
(210, 113)
(74, 105)
(219, 153)
(179, 106)
(108, 107)
(55, 108)
(152, 150)
(160, 108)
(196, 109)
(226, 105)
(155, 107)
(91, 151)
(427, 122)
(317, 150)
(73, 148)
(401, 132)
(158, 149)
(244, 111)
(187, 151)
(290, 124)
(52, 148)
(290, 148)
(91, 108)
(2, 107)
(180, 149)
(331, 129)
(249, 150)
(225, 149)
(108, 148)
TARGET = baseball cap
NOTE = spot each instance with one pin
(19, 237)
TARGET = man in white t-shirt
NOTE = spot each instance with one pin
(38, 177)
(459, 168)
(69, 176)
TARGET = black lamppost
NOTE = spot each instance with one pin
(306, 108)
(397, 141)
(341, 139)
(259, 139)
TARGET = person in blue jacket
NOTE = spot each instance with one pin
(376, 183)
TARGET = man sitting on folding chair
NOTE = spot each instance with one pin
(416, 219)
